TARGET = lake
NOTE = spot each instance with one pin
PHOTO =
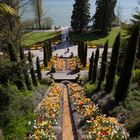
(60, 10)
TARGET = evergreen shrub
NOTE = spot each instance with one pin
(46, 81)
(89, 88)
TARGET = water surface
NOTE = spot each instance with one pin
(60, 10)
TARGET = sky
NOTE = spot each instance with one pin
(60, 10)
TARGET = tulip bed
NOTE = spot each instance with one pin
(59, 65)
(70, 63)
(95, 125)
(43, 126)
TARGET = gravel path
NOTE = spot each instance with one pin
(62, 51)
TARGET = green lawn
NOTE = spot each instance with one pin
(98, 39)
(36, 37)
(32, 38)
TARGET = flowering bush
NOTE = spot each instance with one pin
(36, 46)
(43, 68)
(53, 60)
(57, 42)
(59, 64)
(96, 126)
(71, 65)
(43, 126)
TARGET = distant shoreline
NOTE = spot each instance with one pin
(45, 30)
(60, 11)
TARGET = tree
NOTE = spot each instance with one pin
(119, 11)
(33, 76)
(39, 75)
(123, 46)
(50, 49)
(80, 16)
(12, 73)
(91, 67)
(95, 66)
(26, 75)
(27, 80)
(104, 15)
(138, 51)
(79, 50)
(38, 10)
(103, 65)
(30, 58)
(5, 9)
(22, 56)
(85, 55)
(113, 65)
(82, 52)
(10, 24)
(12, 21)
(45, 55)
(12, 52)
(136, 21)
(125, 76)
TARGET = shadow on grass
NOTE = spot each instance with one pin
(90, 36)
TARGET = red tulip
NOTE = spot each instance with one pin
(40, 119)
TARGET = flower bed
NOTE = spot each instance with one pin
(43, 126)
(70, 63)
(50, 63)
(95, 126)
(36, 46)
(59, 65)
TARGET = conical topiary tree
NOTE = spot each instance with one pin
(26, 75)
(138, 50)
(113, 65)
(79, 50)
(95, 66)
(125, 76)
(85, 55)
(34, 80)
(45, 60)
(103, 65)
(91, 67)
(82, 52)
(50, 48)
(33, 76)
(27, 80)
(12, 52)
(30, 58)
(39, 75)
(48, 51)
(22, 56)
